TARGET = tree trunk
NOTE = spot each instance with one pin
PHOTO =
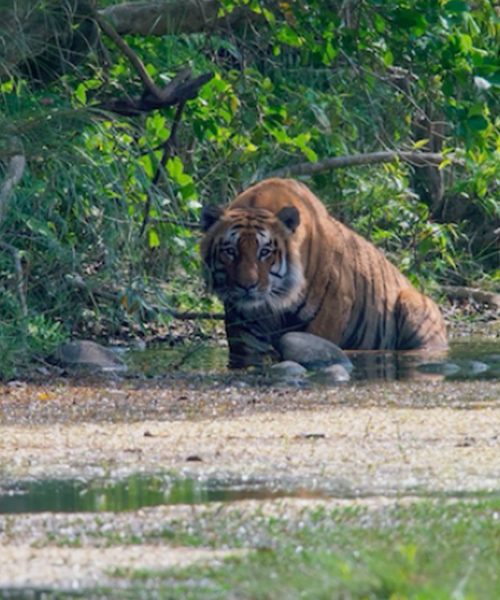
(172, 17)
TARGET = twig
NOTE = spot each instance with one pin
(419, 159)
(186, 224)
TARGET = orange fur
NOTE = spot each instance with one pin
(280, 262)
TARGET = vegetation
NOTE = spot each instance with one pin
(109, 146)
(426, 551)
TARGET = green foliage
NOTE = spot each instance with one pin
(310, 81)
(426, 551)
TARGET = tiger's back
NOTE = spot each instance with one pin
(280, 262)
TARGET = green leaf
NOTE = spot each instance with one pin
(287, 35)
(477, 123)
(388, 58)
(81, 94)
(456, 6)
(420, 143)
(153, 239)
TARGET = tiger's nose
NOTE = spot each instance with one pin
(249, 280)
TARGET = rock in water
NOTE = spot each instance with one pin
(288, 368)
(332, 374)
(312, 351)
(86, 355)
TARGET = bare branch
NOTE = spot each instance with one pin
(182, 88)
(137, 63)
(419, 159)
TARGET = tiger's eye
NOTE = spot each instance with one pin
(229, 252)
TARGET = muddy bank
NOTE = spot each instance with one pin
(385, 438)
(373, 444)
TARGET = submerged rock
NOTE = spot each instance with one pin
(86, 355)
(438, 368)
(288, 371)
(288, 368)
(312, 351)
(332, 374)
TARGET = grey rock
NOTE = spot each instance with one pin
(288, 368)
(311, 351)
(332, 374)
(438, 368)
(473, 367)
(87, 356)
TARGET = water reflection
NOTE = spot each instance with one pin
(468, 359)
(73, 495)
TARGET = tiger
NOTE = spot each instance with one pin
(279, 262)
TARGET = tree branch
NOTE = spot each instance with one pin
(466, 293)
(179, 90)
(137, 63)
(419, 159)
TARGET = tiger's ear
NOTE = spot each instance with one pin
(210, 214)
(290, 217)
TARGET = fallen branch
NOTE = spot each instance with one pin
(467, 293)
(419, 159)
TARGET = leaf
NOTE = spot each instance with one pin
(289, 36)
(388, 58)
(153, 239)
(420, 143)
(81, 94)
(477, 123)
(456, 6)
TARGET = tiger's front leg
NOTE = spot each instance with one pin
(246, 348)
(419, 322)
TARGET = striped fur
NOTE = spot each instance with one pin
(280, 262)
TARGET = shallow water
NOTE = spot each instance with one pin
(132, 493)
(471, 358)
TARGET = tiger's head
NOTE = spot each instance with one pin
(252, 260)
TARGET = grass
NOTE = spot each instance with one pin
(431, 550)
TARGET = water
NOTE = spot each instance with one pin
(132, 493)
(473, 358)
(190, 358)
